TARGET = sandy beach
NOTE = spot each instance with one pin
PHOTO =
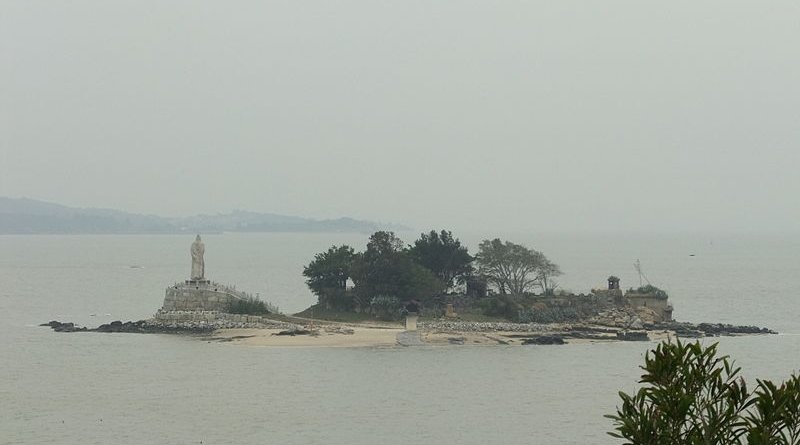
(359, 337)
(383, 336)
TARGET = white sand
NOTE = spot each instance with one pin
(361, 336)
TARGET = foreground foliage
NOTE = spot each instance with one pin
(693, 396)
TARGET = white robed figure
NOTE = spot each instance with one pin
(198, 263)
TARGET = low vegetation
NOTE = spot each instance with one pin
(320, 312)
(650, 289)
(251, 306)
(548, 315)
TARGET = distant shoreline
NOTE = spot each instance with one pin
(23, 216)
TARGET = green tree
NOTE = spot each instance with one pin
(443, 255)
(512, 268)
(547, 273)
(385, 268)
(693, 396)
(327, 276)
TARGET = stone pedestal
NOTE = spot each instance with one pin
(199, 295)
(411, 321)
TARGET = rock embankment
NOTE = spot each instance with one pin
(482, 326)
(615, 325)
(544, 340)
(707, 329)
(130, 327)
(217, 320)
(179, 323)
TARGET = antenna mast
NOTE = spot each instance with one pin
(638, 266)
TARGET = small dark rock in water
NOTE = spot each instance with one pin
(456, 340)
(544, 340)
(633, 336)
(64, 327)
(118, 326)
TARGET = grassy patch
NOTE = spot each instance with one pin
(478, 316)
(320, 313)
(250, 306)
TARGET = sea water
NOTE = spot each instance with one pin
(87, 388)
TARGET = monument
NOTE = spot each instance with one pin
(198, 263)
(197, 250)
(198, 293)
(412, 314)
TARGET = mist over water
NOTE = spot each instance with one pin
(553, 115)
(507, 119)
(131, 389)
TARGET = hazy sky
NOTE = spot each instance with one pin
(534, 115)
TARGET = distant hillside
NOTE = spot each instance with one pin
(29, 216)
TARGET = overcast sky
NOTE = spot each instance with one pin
(506, 115)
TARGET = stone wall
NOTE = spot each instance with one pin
(199, 296)
(660, 305)
(214, 320)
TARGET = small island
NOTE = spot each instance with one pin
(433, 292)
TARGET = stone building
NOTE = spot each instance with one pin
(658, 303)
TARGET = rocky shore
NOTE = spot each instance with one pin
(265, 331)
(593, 330)
(180, 323)
(130, 327)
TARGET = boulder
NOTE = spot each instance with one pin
(633, 336)
(544, 340)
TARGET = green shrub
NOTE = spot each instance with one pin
(385, 307)
(548, 315)
(500, 306)
(650, 289)
(250, 306)
(692, 396)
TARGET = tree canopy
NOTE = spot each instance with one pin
(389, 272)
(514, 268)
(385, 268)
(547, 273)
(327, 275)
(443, 255)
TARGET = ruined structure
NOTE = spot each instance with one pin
(657, 302)
(654, 302)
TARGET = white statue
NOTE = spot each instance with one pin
(198, 264)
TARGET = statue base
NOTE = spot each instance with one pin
(411, 321)
(199, 295)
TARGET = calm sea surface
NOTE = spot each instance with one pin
(161, 389)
